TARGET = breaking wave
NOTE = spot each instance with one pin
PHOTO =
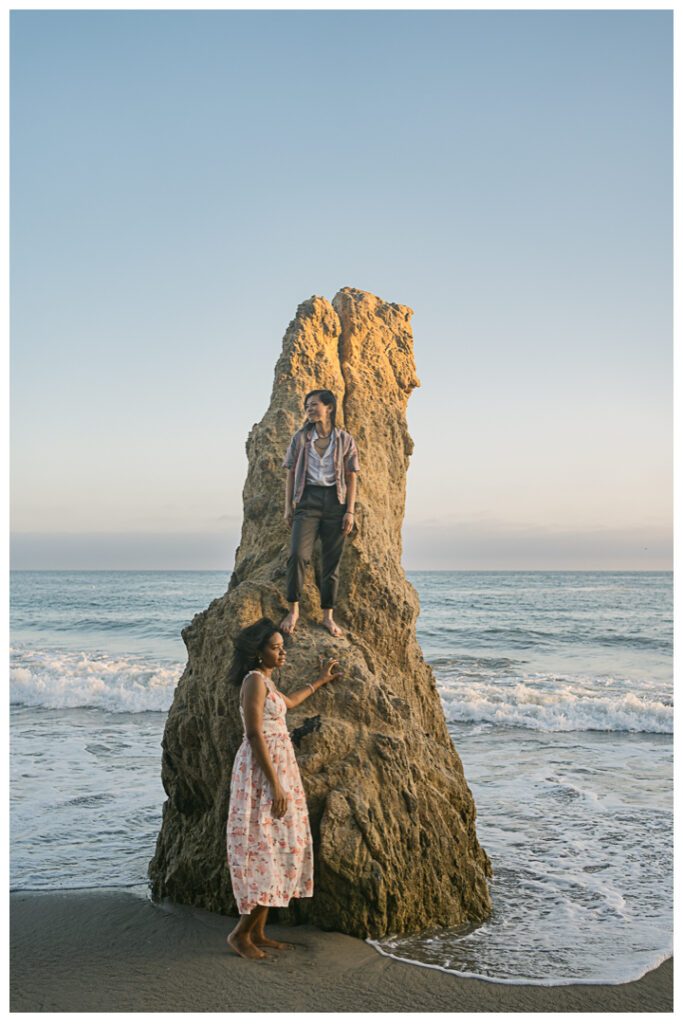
(555, 707)
(69, 679)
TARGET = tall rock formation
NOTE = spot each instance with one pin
(392, 817)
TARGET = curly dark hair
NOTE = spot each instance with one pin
(327, 398)
(246, 647)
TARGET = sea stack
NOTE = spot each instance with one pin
(392, 817)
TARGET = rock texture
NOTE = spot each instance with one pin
(392, 817)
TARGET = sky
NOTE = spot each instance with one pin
(181, 181)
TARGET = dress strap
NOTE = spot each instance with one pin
(269, 682)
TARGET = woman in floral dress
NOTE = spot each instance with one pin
(270, 852)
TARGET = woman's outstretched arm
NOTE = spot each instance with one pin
(325, 675)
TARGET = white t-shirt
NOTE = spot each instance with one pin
(320, 471)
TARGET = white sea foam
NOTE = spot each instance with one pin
(67, 679)
(555, 707)
(621, 976)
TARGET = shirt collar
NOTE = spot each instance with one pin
(315, 435)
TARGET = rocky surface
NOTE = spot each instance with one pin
(392, 817)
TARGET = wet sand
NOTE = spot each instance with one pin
(114, 950)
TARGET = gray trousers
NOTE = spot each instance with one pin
(318, 513)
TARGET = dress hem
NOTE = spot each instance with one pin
(273, 903)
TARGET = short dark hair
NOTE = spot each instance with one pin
(246, 647)
(327, 398)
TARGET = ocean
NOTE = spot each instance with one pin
(557, 690)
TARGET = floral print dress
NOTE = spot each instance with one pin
(270, 859)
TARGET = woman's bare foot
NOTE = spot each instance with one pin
(263, 940)
(331, 626)
(290, 620)
(243, 945)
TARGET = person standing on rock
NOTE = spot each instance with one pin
(320, 496)
(270, 851)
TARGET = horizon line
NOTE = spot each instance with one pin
(412, 569)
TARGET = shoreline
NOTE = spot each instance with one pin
(108, 950)
(515, 981)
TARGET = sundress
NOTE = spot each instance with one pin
(270, 859)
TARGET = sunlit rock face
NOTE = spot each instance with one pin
(392, 817)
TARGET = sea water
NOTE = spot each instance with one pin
(557, 691)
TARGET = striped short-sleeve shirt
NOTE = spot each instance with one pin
(345, 459)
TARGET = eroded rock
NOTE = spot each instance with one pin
(392, 817)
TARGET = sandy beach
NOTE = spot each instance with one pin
(114, 950)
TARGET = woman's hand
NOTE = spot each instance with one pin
(325, 668)
(288, 517)
(347, 522)
(279, 801)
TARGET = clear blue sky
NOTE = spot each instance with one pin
(181, 181)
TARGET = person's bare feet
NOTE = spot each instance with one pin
(290, 620)
(243, 945)
(331, 626)
(263, 940)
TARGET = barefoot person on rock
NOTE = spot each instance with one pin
(270, 852)
(320, 495)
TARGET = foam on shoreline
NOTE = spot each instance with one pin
(541, 982)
